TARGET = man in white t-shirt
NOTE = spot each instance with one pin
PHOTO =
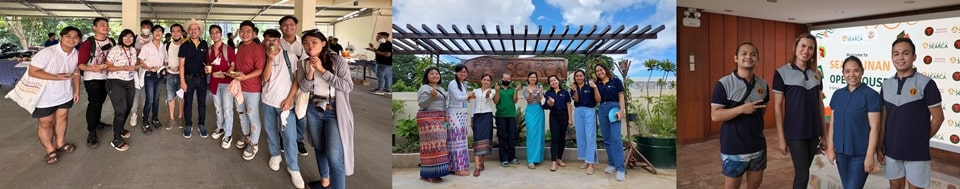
(279, 90)
(172, 70)
(291, 43)
(57, 65)
(91, 60)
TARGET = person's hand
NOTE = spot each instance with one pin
(869, 165)
(218, 75)
(274, 52)
(76, 97)
(832, 157)
(371, 45)
(620, 115)
(488, 94)
(238, 75)
(472, 96)
(592, 84)
(570, 122)
(286, 104)
(550, 100)
(371, 49)
(317, 65)
(183, 85)
(782, 147)
(750, 107)
(881, 157)
(498, 87)
(433, 92)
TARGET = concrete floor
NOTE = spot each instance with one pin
(698, 166)
(519, 176)
(166, 160)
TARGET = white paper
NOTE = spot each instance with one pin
(179, 93)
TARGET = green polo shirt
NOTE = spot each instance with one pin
(507, 107)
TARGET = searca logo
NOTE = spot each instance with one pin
(930, 59)
(939, 45)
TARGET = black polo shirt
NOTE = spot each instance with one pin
(742, 134)
(585, 98)
(194, 56)
(610, 91)
(907, 123)
(801, 96)
(385, 47)
(561, 100)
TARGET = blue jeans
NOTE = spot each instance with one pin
(250, 116)
(271, 122)
(384, 77)
(585, 121)
(173, 84)
(612, 139)
(224, 103)
(151, 87)
(851, 170)
(325, 137)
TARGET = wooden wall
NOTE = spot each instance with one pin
(713, 45)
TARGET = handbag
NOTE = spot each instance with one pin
(27, 92)
(301, 99)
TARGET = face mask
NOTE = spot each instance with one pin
(146, 31)
(382, 40)
(505, 83)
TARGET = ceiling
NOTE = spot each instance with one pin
(327, 11)
(811, 11)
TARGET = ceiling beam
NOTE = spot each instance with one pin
(152, 10)
(35, 7)
(93, 8)
(212, 2)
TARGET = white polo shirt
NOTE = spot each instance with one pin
(153, 55)
(296, 48)
(54, 61)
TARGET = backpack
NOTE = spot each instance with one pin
(93, 44)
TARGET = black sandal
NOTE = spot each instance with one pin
(120, 145)
(67, 147)
(125, 134)
(52, 158)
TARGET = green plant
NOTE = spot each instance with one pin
(521, 128)
(410, 147)
(407, 129)
(397, 108)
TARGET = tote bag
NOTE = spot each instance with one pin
(27, 92)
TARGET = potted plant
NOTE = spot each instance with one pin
(658, 125)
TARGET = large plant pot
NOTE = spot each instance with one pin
(662, 152)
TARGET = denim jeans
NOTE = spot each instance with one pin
(271, 122)
(224, 104)
(250, 116)
(585, 121)
(612, 139)
(851, 170)
(196, 87)
(325, 137)
(151, 88)
(384, 77)
(173, 84)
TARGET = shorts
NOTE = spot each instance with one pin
(917, 172)
(173, 84)
(735, 165)
(44, 112)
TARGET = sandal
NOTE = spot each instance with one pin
(561, 164)
(476, 172)
(67, 147)
(52, 158)
(531, 166)
(431, 180)
(589, 170)
(125, 134)
(553, 167)
(462, 173)
(120, 145)
(481, 167)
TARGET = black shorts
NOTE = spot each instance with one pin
(44, 112)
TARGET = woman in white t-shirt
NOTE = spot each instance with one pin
(483, 107)
(57, 65)
(152, 55)
(122, 68)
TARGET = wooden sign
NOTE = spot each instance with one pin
(518, 68)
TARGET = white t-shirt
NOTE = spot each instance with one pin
(53, 60)
(296, 48)
(99, 58)
(484, 104)
(278, 87)
(153, 55)
(173, 61)
(141, 41)
(120, 57)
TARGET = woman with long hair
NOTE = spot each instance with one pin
(534, 118)
(585, 98)
(798, 108)
(483, 107)
(457, 132)
(328, 79)
(853, 138)
(431, 118)
(611, 100)
(122, 68)
(558, 102)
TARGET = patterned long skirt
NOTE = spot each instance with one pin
(457, 140)
(482, 133)
(434, 162)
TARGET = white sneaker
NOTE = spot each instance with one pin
(217, 134)
(250, 152)
(609, 169)
(275, 163)
(133, 119)
(296, 178)
(620, 176)
(242, 143)
(225, 142)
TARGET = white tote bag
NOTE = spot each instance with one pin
(27, 92)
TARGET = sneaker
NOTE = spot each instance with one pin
(301, 149)
(203, 131)
(180, 123)
(505, 164)
(242, 143)
(275, 163)
(388, 92)
(170, 125)
(374, 91)
(381, 93)
(609, 170)
(156, 123)
(217, 134)
(621, 175)
(225, 142)
(147, 130)
(515, 161)
(133, 119)
(250, 152)
(296, 178)
(92, 140)
(186, 132)
(103, 125)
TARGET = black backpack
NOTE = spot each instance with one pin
(93, 44)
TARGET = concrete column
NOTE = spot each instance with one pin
(131, 15)
(306, 11)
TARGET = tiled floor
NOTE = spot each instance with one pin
(698, 166)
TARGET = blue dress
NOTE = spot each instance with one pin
(535, 131)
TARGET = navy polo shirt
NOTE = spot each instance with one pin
(560, 101)
(742, 134)
(610, 91)
(851, 128)
(802, 119)
(585, 99)
(194, 56)
(907, 123)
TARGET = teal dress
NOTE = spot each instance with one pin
(535, 132)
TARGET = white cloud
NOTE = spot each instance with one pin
(462, 13)
(541, 17)
(590, 12)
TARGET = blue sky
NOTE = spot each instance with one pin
(549, 13)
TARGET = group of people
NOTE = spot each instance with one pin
(296, 82)
(892, 127)
(443, 114)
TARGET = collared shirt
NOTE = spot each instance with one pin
(218, 62)
(907, 125)
(296, 48)
(54, 61)
(561, 100)
(851, 128)
(458, 94)
(506, 107)
(610, 91)
(802, 119)
(120, 57)
(194, 56)
(742, 134)
(153, 55)
(483, 103)
(585, 97)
